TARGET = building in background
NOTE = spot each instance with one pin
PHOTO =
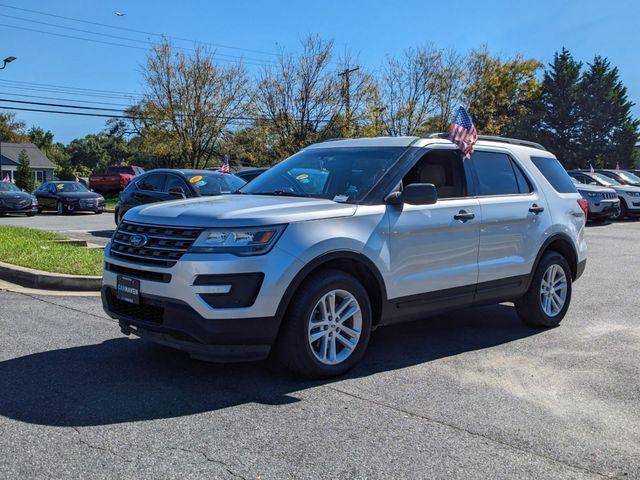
(42, 167)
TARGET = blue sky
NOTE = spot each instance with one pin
(370, 29)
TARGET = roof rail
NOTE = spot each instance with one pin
(334, 139)
(492, 138)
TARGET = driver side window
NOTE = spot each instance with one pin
(442, 168)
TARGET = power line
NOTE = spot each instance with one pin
(70, 88)
(65, 99)
(82, 107)
(137, 31)
(129, 39)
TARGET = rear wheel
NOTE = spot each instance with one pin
(327, 327)
(546, 302)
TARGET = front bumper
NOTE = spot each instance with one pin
(4, 208)
(604, 209)
(168, 322)
(78, 207)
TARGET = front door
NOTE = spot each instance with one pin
(433, 258)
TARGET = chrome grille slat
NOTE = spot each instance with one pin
(164, 247)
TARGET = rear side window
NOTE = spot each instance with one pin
(152, 183)
(498, 175)
(555, 174)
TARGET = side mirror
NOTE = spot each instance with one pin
(177, 191)
(414, 194)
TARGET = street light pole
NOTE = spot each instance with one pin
(5, 61)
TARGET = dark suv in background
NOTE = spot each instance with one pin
(169, 184)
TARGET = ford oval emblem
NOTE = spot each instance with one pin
(138, 240)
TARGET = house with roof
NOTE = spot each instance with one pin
(42, 167)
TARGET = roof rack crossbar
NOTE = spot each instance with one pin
(491, 138)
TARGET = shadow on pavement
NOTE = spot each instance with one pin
(124, 380)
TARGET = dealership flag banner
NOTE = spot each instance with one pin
(463, 132)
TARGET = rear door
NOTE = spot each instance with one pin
(514, 216)
(434, 248)
(150, 189)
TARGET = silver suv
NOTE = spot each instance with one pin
(343, 237)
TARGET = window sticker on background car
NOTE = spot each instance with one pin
(200, 183)
(341, 198)
(59, 186)
(195, 179)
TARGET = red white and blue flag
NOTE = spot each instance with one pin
(225, 165)
(463, 132)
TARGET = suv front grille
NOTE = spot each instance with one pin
(163, 246)
(608, 195)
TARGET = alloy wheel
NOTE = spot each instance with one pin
(553, 290)
(335, 327)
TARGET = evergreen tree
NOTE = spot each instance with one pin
(24, 174)
(559, 125)
(608, 132)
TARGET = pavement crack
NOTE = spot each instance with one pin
(98, 448)
(209, 459)
(472, 433)
(77, 310)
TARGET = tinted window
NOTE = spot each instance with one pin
(174, 181)
(70, 187)
(233, 182)
(152, 183)
(8, 187)
(496, 175)
(523, 183)
(555, 174)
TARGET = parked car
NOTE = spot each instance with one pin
(603, 202)
(622, 176)
(115, 179)
(249, 174)
(399, 228)
(168, 184)
(629, 196)
(14, 200)
(66, 197)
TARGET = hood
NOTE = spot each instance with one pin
(15, 196)
(594, 188)
(624, 188)
(72, 195)
(238, 211)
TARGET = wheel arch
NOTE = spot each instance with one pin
(562, 244)
(348, 261)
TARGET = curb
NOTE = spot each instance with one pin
(30, 278)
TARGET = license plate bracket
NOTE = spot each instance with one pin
(128, 289)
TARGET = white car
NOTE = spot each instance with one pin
(343, 237)
(629, 195)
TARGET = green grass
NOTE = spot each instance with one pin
(110, 201)
(32, 248)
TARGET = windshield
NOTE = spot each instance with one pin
(629, 177)
(70, 187)
(338, 174)
(8, 187)
(216, 183)
(604, 179)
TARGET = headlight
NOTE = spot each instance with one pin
(34, 201)
(593, 194)
(238, 241)
(633, 194)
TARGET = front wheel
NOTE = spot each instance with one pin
(327, 326)
(546, 302)
(622, 213)
(60, 208)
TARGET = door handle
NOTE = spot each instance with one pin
(536, 209)
(463, 216)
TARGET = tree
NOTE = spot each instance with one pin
(299, 97)
(188, 104)
(24, 175)
(608, 132)
(559, 123)
(88, 154)
(408, 90)
(11, 130)
(502, 95)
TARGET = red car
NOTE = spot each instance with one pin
(115, 179)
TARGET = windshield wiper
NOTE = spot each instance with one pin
(282, 193)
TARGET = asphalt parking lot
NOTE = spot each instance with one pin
(471, 394)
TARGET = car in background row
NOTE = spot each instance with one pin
(250, 173)
(115, 179)
(168, 184)
(14, 200)
(622, 176)
(66, 197)
(603, 202)
(629, 196)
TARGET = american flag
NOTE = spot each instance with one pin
(591, 169)
(463, 132)
(6, 179)
(225, 165)
(617, 165)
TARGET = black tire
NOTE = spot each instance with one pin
(529, 306)
(622, 214)
(39, 210)
(32, 214)
(60, 208)
(98, 212)
(116, 217)
(292, 348)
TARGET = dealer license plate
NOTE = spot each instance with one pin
(128, 289)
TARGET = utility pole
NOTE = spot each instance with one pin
(346, 95)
